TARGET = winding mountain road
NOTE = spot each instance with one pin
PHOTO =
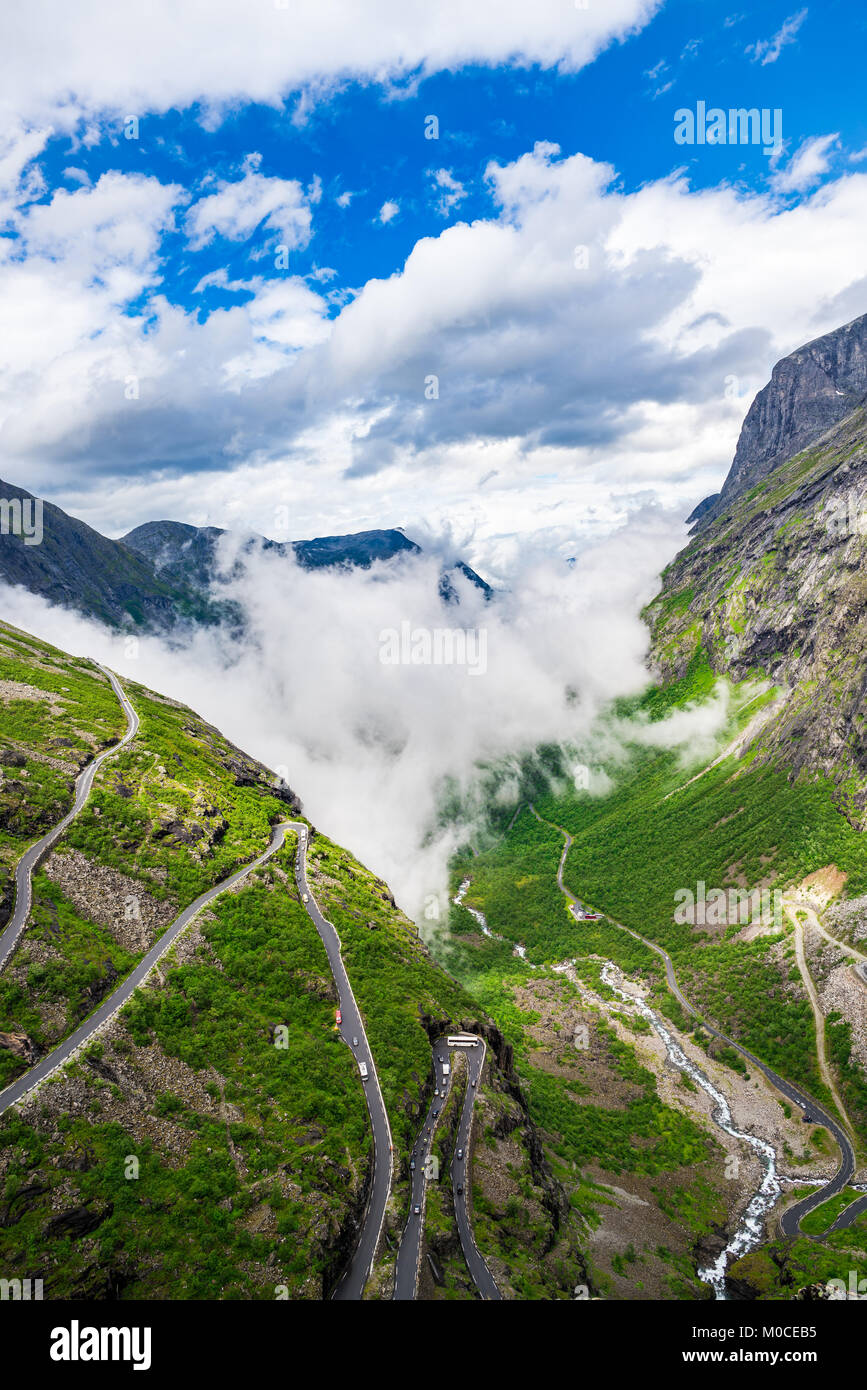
(825, 1071)
(116, 1000)
(790, 1221)
(409, 1254)
(352, 1284)
(83, 785)
(352, 1030)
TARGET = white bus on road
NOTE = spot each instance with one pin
(463, 1040)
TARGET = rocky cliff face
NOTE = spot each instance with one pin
(775, 580)
(809, 393)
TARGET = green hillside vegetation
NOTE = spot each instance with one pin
(249, 1179)
(180, 808)
(738, 825)
(253, 1157)
(55, 713)
(171, 814)
(781, 1268)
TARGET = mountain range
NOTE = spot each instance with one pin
(166, 573)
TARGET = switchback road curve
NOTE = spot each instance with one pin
(409, 1254)
(115, 1001)
(352, 1029)
(83, 784)
(352, 1284)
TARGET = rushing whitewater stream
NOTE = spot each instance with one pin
(480, 917)
(750, 1230)
(458, 899)
(749, 1233)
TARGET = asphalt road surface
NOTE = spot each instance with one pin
(119, 997)
(409, 1254)
(352, 1284)
(790, 1221)
(847, 1216)
(27, 865)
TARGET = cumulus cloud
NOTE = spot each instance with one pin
(578, 347)
(238, 207)
(372, 747)
(388, 212)
(65, 62)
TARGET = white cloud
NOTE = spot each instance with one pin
(808, 165)
(237, 208)
(118, 61)
(387, 212)
(370, 747)
(452, 191)
(18, 182)
(766, 51)
(583, 382)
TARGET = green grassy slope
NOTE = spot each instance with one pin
(223, 1084)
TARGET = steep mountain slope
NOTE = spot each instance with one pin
(211, 1139)
(171, 814)
(776, 585)
(76, 567)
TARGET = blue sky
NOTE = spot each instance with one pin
(303, 376)
(618, 110)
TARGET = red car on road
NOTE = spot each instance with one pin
(339, 1016)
